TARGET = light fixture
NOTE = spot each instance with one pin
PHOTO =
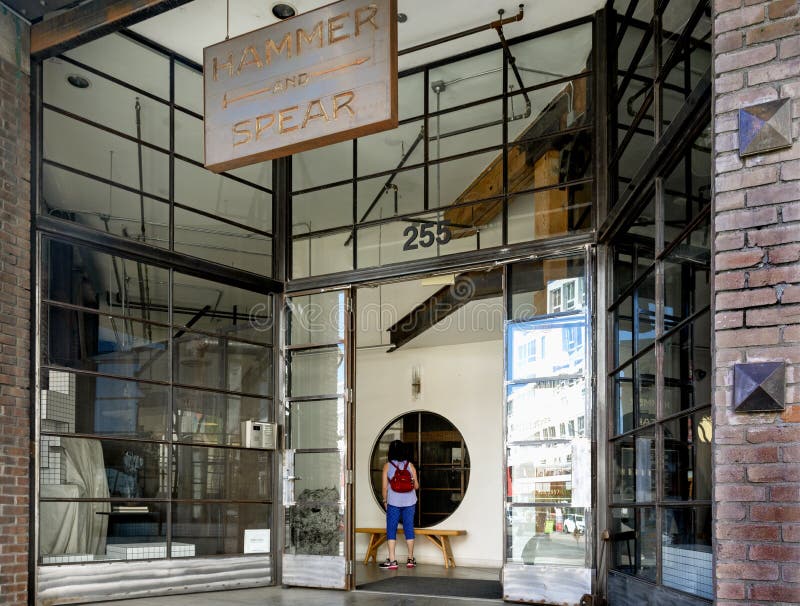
(416, 382)
(402, 17)
(283, 11)
(78, 81)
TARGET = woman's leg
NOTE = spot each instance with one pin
(408, 527)
(392, 518)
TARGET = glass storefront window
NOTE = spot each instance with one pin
(109, 327)
(634, 541)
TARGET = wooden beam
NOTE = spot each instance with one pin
(91, 20)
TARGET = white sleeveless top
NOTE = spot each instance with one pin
(400, 499)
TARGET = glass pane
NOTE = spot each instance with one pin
(646, 311)
(188, 136)
(541, 473)
(410, 95)
(221, 196)
(547, 535)
(106, 103)
(405, 194)
(222, 243)
(634, 541)
(387, 150)
(623, 399)
(467, 80)
(686, 551)
(623, 268)
(317, 424)
(623, 331)
(547, 286)
(99, 469)
(429, 235)
(188, 88)
(316, 372)
(219, 308)
(323, 165)
(217, 528)
(322, 209)
(466, 130)
(74, 532)
(316, 319)
(316, 255)
(646, 384)
(220, 363)
(74, 197)
(215, 418)
(115, 54)
(88, 278)
(74, 403)
(687, 367)
(467, 179)
(634, 153)
(548, 347)
(687, 457)
(105, 344)
(549, 213)
(318, 477)
(222, 473)
(315, 528)
(553, 109)
(104, 154)
(555, 56)
(634, 477)
(687, 271)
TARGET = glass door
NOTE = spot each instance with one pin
(548, 432)
(317, 468)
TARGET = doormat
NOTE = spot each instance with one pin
(437, 586)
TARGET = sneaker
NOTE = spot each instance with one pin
(411, 563)
(388, 564)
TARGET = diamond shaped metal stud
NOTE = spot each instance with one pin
(765, 127)
(759, 387)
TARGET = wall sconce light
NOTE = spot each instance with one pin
(416, 383)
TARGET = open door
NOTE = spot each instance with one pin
(316, 465)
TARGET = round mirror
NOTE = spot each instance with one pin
(439, 453)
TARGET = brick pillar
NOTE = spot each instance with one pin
(15, 308)
(757, 306)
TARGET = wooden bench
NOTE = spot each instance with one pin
(437, 536)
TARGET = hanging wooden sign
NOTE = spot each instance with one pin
(325, 76)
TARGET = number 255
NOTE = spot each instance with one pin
(424, 233)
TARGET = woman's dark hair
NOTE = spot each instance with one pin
(398, 451)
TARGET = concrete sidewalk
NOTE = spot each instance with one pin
(280, 596)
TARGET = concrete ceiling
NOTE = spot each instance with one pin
(189, 28)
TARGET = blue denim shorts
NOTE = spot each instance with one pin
(394, 515)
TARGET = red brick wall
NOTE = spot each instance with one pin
(15, 305)
(757, 306)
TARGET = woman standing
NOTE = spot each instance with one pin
(400, 500)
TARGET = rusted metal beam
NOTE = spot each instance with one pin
(91, 20)
(469, 286)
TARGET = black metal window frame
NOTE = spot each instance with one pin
(57, 229)
(655, 83)
(360, 220)
(631, 199)
(160, 254)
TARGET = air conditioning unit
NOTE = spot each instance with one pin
(259, 434)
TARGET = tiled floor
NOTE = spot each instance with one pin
(280, 596)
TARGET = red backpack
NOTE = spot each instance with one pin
(402, 480)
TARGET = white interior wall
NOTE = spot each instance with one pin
(464, 384)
